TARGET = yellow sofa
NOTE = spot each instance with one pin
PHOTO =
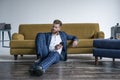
(23, 42)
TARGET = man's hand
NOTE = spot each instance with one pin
(58, 46)
(75, 43)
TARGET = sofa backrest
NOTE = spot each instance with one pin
(81, 30)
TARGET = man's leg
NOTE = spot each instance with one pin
(52, 58)
(41, 47)
(41, 50)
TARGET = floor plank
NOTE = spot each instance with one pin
(73, 69)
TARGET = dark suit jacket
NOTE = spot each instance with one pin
(64, 38)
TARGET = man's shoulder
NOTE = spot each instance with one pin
(62, 32)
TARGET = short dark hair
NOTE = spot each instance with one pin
(57, 22)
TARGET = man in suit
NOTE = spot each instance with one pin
(51, 47)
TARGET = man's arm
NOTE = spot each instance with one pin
(74, 38)
(71, 37)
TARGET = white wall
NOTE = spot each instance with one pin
(104, 12)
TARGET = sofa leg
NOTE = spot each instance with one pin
(15, 57)
(21, 55)
(113, 59)
(96, 60)
(37, 56)
(100, 57)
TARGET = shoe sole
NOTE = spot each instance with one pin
(36, 72)
(39, 72)
(32, 72)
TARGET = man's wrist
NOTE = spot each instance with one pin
(76, 40)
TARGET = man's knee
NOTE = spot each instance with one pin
(41, 47)
(40, 35)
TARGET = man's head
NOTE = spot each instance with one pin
(56, 26)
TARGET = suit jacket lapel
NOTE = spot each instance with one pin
(62, 37)
(49, 38)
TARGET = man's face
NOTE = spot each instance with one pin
(55, 28)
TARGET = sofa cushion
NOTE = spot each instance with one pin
(81, 30)
(22, 44)
(30, 30)
(83, 43)
(106, 43)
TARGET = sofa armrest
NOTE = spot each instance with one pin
(17, 36)
(99, 35)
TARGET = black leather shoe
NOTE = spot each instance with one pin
(32, 71)
(39, 71)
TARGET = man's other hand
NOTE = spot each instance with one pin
(75, 43)
(58, 46)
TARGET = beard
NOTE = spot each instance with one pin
(54, 31)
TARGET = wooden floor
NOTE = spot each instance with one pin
(70, 70)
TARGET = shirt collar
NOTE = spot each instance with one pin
(56, 34)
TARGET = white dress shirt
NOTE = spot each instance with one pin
(55, 40)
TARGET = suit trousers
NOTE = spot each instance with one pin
(47, 57)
